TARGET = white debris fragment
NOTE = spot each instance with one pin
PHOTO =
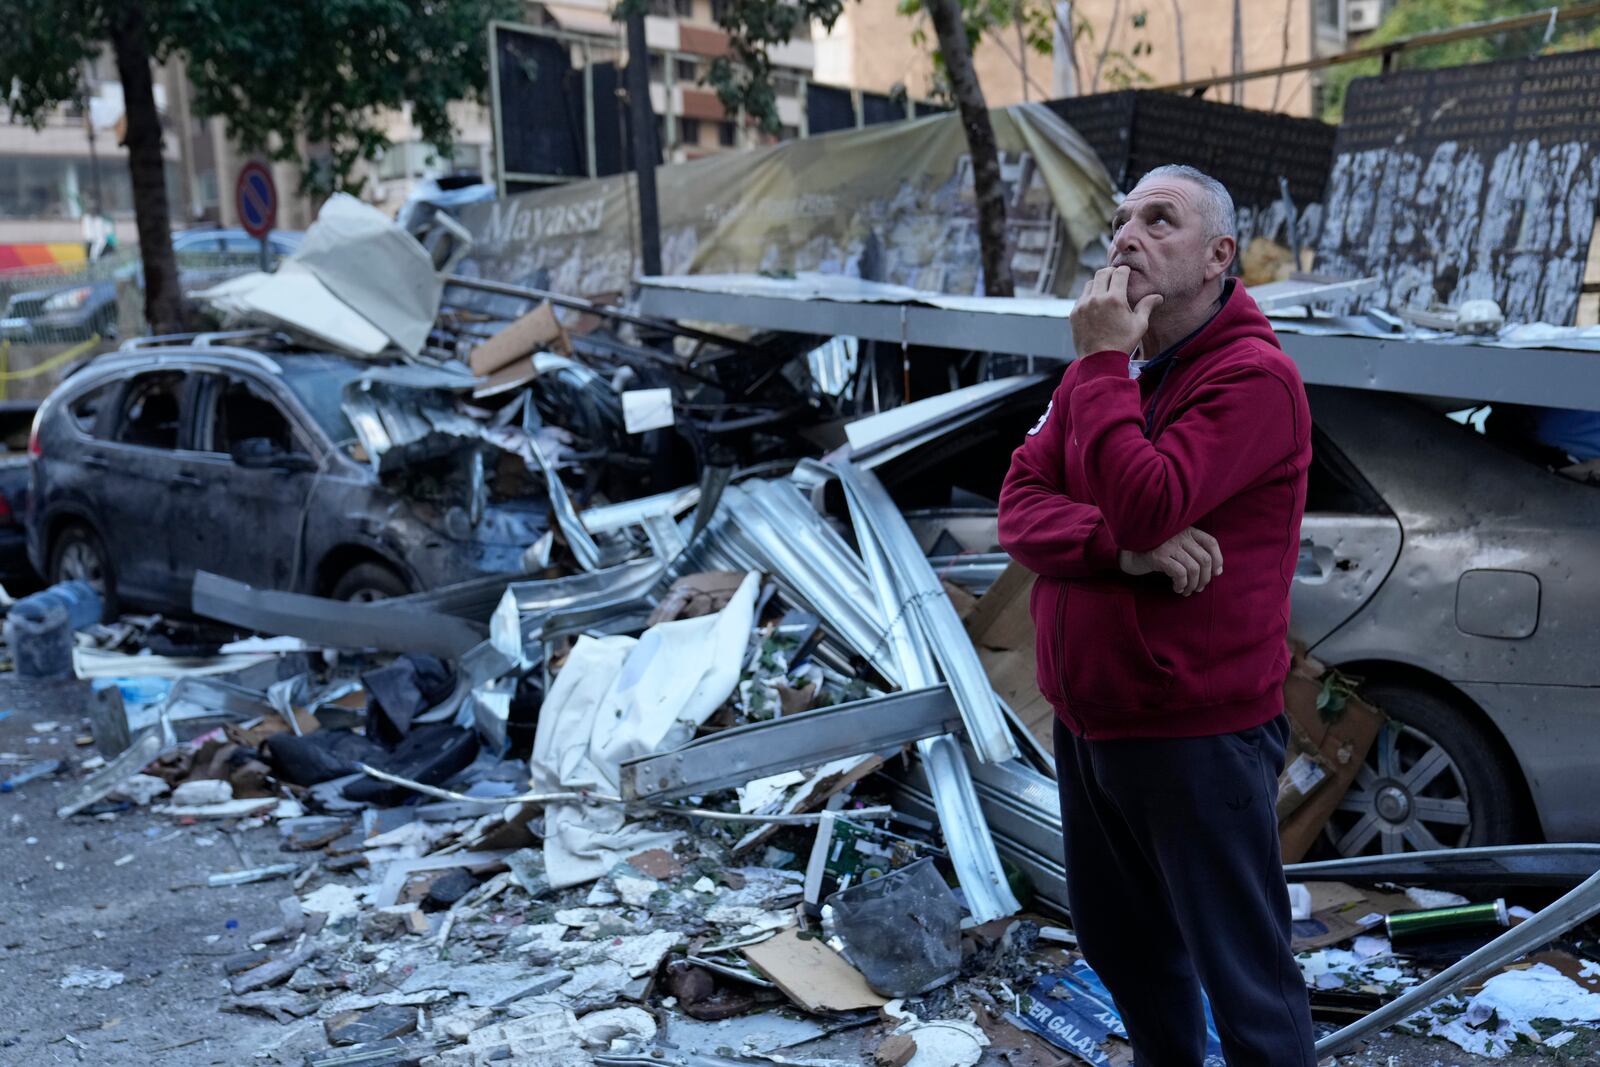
(1539, 992)
(202, 792)
(636, 892)
(288, 809)
(613, 1028)
(546, 1038)
(945, 1043)
(600, 897)
(1299, 902)
(92, 978)
(1510, 1001)
(1427, 899)
(640, 955)
(745, 921)
(337, 902)
(141, 789)
(765, 791)
(705, 885)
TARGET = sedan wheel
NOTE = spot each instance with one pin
(1409, 796)
(1433, 779)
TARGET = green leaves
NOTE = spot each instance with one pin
(295, 79)
(743, 81)
(42, 52)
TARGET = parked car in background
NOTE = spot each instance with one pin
(77, 310)
(170, 457)
(16, 572)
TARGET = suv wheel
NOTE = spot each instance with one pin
(1432, 780)
(366, 582)
(79, 555)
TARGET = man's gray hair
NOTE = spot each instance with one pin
(1217, 204)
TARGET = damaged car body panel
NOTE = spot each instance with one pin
(144, 461)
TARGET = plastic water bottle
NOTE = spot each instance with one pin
(82, 604)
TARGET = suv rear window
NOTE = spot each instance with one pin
(84, 411)
(151, 411)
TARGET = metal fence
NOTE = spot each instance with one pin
(51, 318)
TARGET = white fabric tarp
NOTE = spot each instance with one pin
(359, 283)
(617, 698)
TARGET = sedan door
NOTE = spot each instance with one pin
(1349, 542)
(254, 466)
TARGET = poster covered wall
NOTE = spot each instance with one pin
(889, 203)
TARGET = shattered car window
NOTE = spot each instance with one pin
(85, 410)
(243, 413)
(318, 383)
(150, 415)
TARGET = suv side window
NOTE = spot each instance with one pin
(85, 411)
(152, 410)
(244, 411)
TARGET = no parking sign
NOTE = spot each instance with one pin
(255, 197)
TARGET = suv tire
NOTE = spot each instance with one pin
(78, 554)
(1433, 779)
(366, 582)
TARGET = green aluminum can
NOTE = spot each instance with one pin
(1409, 927)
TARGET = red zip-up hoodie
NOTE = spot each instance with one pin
(1227, 448)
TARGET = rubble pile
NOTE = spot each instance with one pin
(655, 812)
(730, 756)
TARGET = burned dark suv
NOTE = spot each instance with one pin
(238, 455)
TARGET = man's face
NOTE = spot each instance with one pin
(1160, 233)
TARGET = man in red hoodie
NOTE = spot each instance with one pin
(1141, 481)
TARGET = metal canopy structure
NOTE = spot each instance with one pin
(1453, 368)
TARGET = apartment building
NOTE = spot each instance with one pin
(1157, 43)
(65, 187)
(684, 38)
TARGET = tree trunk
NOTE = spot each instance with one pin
(1177, 29)
(163, 303)
(1112, 25)
(946, 17)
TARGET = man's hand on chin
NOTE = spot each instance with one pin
(1191, 560)
(1102, 320)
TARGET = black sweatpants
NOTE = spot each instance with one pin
(1176, 883)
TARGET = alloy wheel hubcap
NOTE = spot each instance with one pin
(1409, 795)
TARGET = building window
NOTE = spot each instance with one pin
(658, 68)
(789, 133)
(786, 84)
(719, 11)
(727, 136)
(686, 70)
(415, 159)
(63, 187)
(1328, 14)
(688, 131)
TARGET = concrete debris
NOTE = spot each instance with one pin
(92, 978)
(615, 1029)
(141, 789)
